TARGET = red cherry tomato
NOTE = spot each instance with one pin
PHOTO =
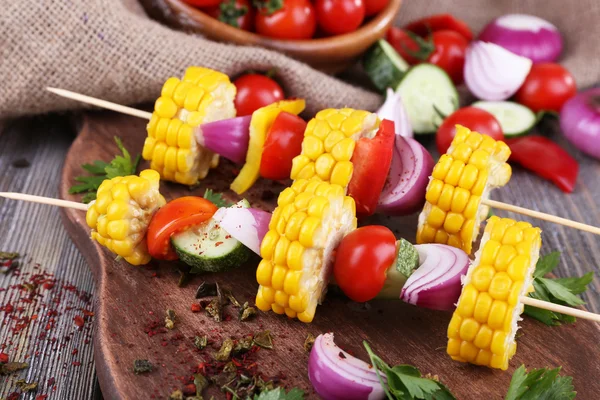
(176, 216)
(294, 20)
(547, 87)
(237, 13)
(336, 17)
(474, 118)
(423, 27)
(283, 143)
(373, 7)
(255, 91)
(449, 53)
(404, 44)
(372, 159)
(202, 3)
(362, 260)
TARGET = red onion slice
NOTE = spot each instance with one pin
(580, 121)
(227, 137)
(247, 225)
(436, 284)
(525, 35)
(494, 73)
(393, 109)
(404, 190)
(337, 375)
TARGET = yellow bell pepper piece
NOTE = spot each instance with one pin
(261, 122)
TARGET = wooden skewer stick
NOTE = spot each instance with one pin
(45, 200)
(525, 300)
(543, 216)
(100, 103)
(492, 203)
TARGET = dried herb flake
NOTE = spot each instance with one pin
(201, 383)
(12, 367)
(243, 345)
(200, 342)
(176, 395)
(215, 310)
(229, 296)
(7, 255)
(225, 351)
(264, 340)
(308, 343)
(206, 290)
(25, 386)
(170, 319)
(142, 366)
(247, 312)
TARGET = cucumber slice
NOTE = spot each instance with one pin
(209, 248)
(384, 65)
(425, 88)
(514, 118)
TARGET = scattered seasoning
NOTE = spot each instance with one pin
(243, 345)
(201, 383)
(196, 307)
(176, 395)
(189, 389)
(184, 275)
(229, 296)
(8, 261)
(79, 321)
(12, 367)
(200, 342)
(227, 375)
(247, 312)
(7, 255)
(26, 386)
(264, 340)
(215, 310)
(21, 163)
(225, 351)
(170, 319)
(308, 343)
(142, 366)
(206, 290)
(3, 358)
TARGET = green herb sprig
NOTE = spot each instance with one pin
(404, 382)
(562, 291)
(540, 383)
(121, 165)
(216, 198)
(280, 394)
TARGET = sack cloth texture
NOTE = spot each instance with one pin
(111, 50)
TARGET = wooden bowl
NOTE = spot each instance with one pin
(330, 54)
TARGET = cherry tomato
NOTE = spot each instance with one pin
(474, 118)
(283, 143)
(547, 87)
(371, 159)
(424, 26)
(405, 45)
(294, 20)
(373, 7)
(362, 260)
(237, 13)
(255, 91)
(449, 53)
(336, 17)
(202, 3)
(176, 216)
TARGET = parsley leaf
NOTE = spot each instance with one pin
(404, 382)
(121, 165)
(280, 394)
(562, 291)
(540, 384)
(216, 198)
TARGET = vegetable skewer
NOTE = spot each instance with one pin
(523, 299)
(487, 202)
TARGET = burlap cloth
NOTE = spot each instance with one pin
(109, 49)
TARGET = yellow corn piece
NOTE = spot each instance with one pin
(201, 96)
(120, 215)
(329, 142)
(483, 327)
(463, 177)
(308, 224)
(261, 122)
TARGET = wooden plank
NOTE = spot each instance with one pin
(37, 232)
(130, 298)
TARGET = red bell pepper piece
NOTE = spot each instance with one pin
(545, 158)
(372, 159)
(424, 26)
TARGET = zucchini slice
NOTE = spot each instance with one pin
(514, 118)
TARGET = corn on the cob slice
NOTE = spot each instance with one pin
(463, 177)
(261, 122)
(483, 327)
(201, 96)
(310, 220)
(329, 142)
(120, 215)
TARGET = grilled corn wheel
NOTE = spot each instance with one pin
(329, 142)
(309, 222)
(463, 177)
(483, 327)
(201, 96)
(120, 215)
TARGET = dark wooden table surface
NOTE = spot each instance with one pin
(62, 361)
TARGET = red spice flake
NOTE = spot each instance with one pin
(87, 313)
(196, 307)
(218, 244)
(8, 308)
(51, 382)
(3, 358)
(13, 396)
(74, 352)
(48, 285)
(79, 322)
(189, 390)
(76, 363)
(41, 397)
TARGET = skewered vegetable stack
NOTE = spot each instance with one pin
(483, 328)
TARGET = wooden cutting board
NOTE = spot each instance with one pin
(129, 299)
